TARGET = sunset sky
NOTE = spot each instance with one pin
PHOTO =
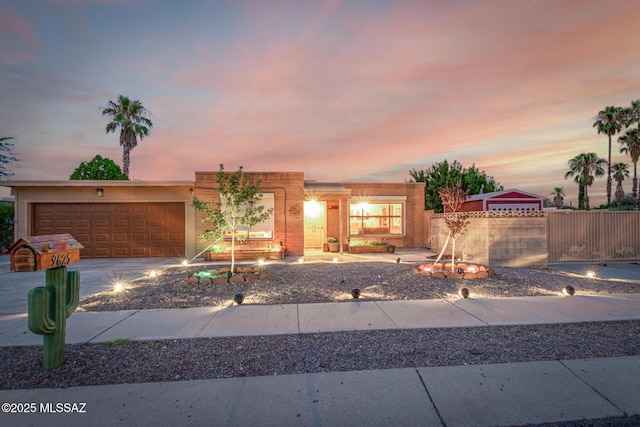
(340, 90)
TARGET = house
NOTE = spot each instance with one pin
(506, 200)
(114, 219)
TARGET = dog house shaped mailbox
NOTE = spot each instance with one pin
(36, 253)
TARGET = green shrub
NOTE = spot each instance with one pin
(6, 226)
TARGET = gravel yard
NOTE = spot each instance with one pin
(323, 282)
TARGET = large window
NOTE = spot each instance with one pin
(264, 230)
(376, 218)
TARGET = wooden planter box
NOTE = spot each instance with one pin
(367, 249)
(251, 254)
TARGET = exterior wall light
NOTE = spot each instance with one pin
(191, 192)
(99, 192)
(569, 290)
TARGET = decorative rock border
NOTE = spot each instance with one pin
(461, 271)
(223, 275)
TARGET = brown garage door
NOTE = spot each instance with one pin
(116, 230)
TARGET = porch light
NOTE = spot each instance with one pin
(99, 192)
(355, 293)
(312, 208)
(591, 274)
(238, 299)
(464, 293)
(568, 290)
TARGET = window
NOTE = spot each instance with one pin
(376, 218)
(264, 230)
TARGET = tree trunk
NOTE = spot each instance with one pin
(125, 160)
(609, 176)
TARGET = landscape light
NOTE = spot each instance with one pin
(261, 261)
(335, 259)
(300, 260)
(591, 274)
(238, 299)
(568, 290)
(185, 263)
(355, 293)
(118, 287)
(153, 273)
(464, 293)
(398, 260)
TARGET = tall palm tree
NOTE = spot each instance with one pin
(585, 167)
(620, 172)
(558, 197)
(631, 145)
(609, 121)
(131, 117)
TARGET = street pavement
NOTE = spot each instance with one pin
(470, 395)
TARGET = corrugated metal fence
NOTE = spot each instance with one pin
(594, 236)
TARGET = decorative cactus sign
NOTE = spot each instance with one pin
(49, 306)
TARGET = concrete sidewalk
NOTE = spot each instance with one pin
(355, 315)
(479, 395)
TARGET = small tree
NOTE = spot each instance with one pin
(239, 205)
(452, 199)
(98, 168)
(558, 197)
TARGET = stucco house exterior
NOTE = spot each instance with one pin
(114, 219)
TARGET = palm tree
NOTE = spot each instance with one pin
(609, 121)
(620, 171)
(7, 158)
(585, 167)
(558, 197)
(631, 145)
(130, 117)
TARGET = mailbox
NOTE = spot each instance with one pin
(43, 252)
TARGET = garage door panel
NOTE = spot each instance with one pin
(101, 222)
(116, 229)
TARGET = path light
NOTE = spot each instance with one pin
(342, 280)
(335, 259)
(238, 299)
(398, 260)
(118, 287)
(569, 290)
(355, 293)
(460, 270)
(185, 263)
(153, 273)
(261, 261)
(591, 274)
(464, 293)
(301, 260)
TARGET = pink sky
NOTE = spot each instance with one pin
(340, 90)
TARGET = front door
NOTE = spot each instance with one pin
(314, 220)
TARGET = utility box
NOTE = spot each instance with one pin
(36, 253)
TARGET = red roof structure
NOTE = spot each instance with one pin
(506, 200)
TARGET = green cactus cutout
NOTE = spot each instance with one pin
(49, 307)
